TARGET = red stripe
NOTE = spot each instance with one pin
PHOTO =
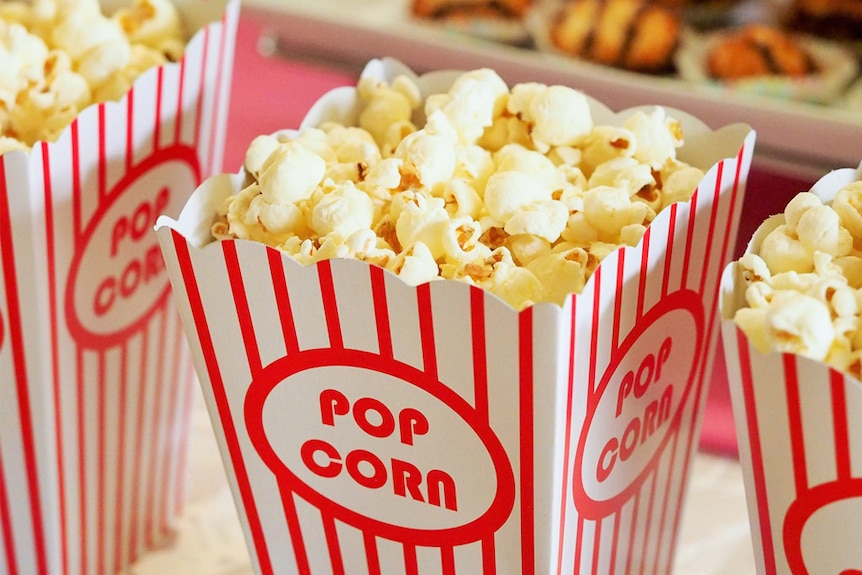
(570, 397)
(82, 460)
(692, 217)
(668, 258)
(618, 301)
(614, 540)
(650, 506)
(528, 538)
(411, 564)
(173, 421)
(597, 546)
(381, 311)
(673, 446)
(579, 545)
(632, 530)
(330, 304)
(130, 129)
(331, 534)
(489, 556)
(178, 127)
(447, 560)
(426, 329)
(201, 90)
(103, 154)
(76, 181)
(794, 417)
(156, 457)
(243, 313)
(214, 139)
(100, 465)
(294, 529)
(282, 300)
(122, 406)
(138, 449)
(481, 400)
(13, 304)
(222, 405)
(480, 355)
(747, 383)
(51, 269)
(594, 341)
(157, 124)
(180, 471)
(371, 556)
(712, 222)
(6, 525)
(841, 430)
(644, 273)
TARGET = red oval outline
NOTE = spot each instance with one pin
(86, 337)
(686, 300)
(280, 370)
(801, 510)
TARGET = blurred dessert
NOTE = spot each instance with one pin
(633, 35)
(499, 21)
(758, 50)
(468, 9)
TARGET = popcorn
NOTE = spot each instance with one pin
(342, 211)
(386, 105)
(291, 173)
(657, 136)
(557, 115)
(59, 56)
(514, 191)
(471, 104)
(804, 282)
(154, 24)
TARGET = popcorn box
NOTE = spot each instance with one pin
(368, 426)
(95, 375)
(798, 429)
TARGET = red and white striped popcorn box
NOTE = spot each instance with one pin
(95, 373)
(368, 426)
(799, 428)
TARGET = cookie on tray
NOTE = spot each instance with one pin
(768, 60)
(632, 35)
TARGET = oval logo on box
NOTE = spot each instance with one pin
(118, 277)
(639, 404)
(380, 446)
(812, 539)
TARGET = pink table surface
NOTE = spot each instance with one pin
(273, 93)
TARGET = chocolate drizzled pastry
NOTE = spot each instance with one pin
(462, 9)
(634, 35)
(758, 50)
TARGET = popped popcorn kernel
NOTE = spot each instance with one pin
(516, 191)
(559, 116)
(386, 105)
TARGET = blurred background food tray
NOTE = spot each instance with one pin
(794, 138)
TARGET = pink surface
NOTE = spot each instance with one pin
(269, 93)
(273, 93)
